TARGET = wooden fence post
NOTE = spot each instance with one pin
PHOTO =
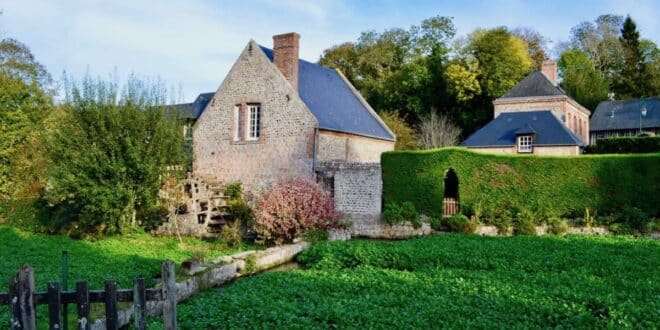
(82, 302)
(139, 304)
(169, 295)
(111, 322)
(54, 302)
(14, 306)
(26, 317)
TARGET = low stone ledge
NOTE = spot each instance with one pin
(372, 226)
(224, 270)
(487, 230)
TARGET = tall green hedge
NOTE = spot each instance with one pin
(553, 186)
(625, 145)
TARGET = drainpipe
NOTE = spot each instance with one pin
(316, 133)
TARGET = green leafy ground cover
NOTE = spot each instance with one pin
(122, 258)
(443, 281)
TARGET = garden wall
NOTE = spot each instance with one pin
(553, 186)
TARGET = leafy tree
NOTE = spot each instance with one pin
(502, 59)
(462, 83)
(113, 154)
(405, 135)
(600, 40)
(536, 44)
(25, 102)
(580, 78)
(629, 82)
(651, 74)
(397, 69)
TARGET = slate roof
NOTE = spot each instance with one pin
(332, 101)
(535, 84)
(623, 115)
(502, 131)
(194, 109)
(327, 95)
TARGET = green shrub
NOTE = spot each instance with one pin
(559, 186)
(395, 214)
(240, 210)
(557, 226)
(315, 235)
(230, 234)
(234, 190)
(392, 213)
(634, 218)
(524, 223)
(461, 224)
(503, 222)
(625, 145)
(438, 223)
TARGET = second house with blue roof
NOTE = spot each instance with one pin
(534, 117)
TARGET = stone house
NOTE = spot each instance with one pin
(535, 116)
(625, 118)
(276, 116)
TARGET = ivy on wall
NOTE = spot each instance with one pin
(549, 185)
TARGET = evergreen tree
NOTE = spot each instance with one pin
(629, 83)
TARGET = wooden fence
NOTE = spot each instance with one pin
(450, 206)
(23, 299)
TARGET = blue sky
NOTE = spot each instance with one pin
(193, 43)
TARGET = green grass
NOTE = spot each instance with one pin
(447, 281)
(122, 258)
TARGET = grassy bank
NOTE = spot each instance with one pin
(122, 258)
(447, 281)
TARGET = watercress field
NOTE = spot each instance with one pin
(445, 281)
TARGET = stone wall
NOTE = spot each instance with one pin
(335, 146)
(357, 186)
(286, 142)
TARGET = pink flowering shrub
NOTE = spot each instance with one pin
(291, 207)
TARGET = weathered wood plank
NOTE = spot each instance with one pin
(139, 304)
(82, 302)
(54, 304)
(111, 305)
(14, 307)
(26, 298)
(169, 293)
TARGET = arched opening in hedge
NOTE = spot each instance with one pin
(450, 203)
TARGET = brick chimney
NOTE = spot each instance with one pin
(549, 69)
(285, 56)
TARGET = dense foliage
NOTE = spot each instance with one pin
(609, 55)
(113, 153)
(122, 258)
(447, 281)
(625, 145)
(290, 207)
(25, 105)
(420, 71)
(498, 186)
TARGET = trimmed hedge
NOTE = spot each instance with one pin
(625, 145)
(549, 186)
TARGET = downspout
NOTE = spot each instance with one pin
(316, 133)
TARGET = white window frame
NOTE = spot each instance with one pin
(525, 144)
(254, 121)
(237, 123)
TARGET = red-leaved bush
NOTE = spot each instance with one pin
(290, 207)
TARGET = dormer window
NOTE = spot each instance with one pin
(525, 144)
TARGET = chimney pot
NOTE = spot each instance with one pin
(549, 69)
(285, 56)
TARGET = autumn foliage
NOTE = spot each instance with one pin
(290, 207)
